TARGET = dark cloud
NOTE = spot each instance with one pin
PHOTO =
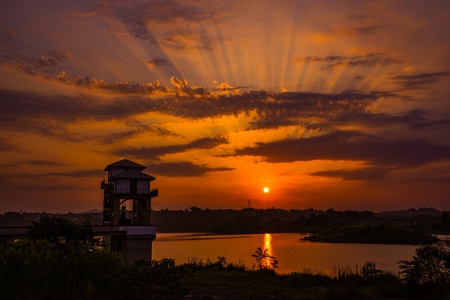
(417, 120)
(272, 107)
(154, 153)
(299, 108)
(419, 81)
(361, 26)
(139, 30)
(349, 145)
(50, 181)
(47, 64)
(365, 119)
(164, 12)
(431, 124)
(157, 62)
(118, 137)
(44, 163)
(414, 119)
(366, 30)
(372, 59)
(78, 173)
(141, 19)
(53, 58)
(19, 105)
(367, 60)
(330, 61)
(5, 145)
(366, 174)
(50, 115)
(184, 169)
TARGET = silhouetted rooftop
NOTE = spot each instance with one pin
(125, 163)
(134, 173)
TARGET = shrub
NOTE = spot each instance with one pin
(264, 260)
(428, 274)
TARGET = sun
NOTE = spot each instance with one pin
(266, 189)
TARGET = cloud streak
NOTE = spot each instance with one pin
(419, 81)
(365, 174)
(399, 153)
(367, 60)
(185, 169)
(155, 153)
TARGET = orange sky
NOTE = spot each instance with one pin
(330, 104)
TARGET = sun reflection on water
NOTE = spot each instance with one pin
(267, 242)
(268, 246)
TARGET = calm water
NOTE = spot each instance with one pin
(293, 254)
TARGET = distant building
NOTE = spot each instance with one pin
(127, 182)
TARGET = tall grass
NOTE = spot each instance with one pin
(40, 269)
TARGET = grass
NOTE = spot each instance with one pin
(238, 284)
(222, 281)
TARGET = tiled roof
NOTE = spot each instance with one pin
(125, 163)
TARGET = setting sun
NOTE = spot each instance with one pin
(266, 190)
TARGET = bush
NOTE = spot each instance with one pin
(428, 274)
(145, 280)
(61, 230)
(39, 269)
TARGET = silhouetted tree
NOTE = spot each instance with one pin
(52, 228)
(61, 230)
(264, 260)
(429, 267)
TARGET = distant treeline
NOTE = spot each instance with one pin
(250, 220)
(300, 221)
(13, 218)
(254, 220)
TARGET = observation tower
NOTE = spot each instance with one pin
(126, 182)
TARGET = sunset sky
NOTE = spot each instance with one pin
(329, 104)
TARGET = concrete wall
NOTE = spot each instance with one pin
(138, 247)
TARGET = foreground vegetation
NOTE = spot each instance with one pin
(90, 278)
(60, 260)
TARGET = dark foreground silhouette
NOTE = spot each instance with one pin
(61, 260)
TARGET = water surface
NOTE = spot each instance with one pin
(293, 253)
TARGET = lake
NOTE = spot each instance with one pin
(293, 253)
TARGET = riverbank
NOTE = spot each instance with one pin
(374, 234)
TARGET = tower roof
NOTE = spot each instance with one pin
(125, 163)
(134, 173)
